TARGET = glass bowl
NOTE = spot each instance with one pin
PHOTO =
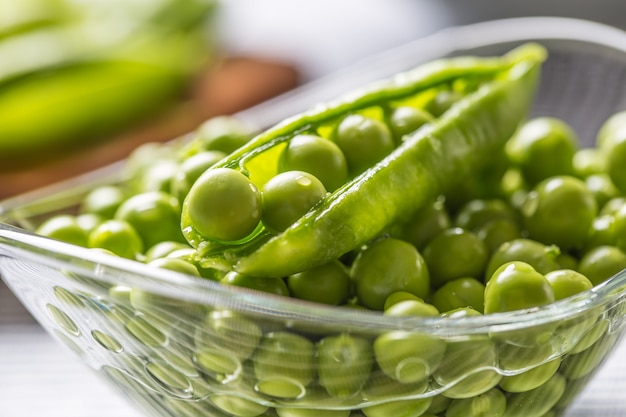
(191, 347)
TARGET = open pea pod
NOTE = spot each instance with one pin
(496, 93)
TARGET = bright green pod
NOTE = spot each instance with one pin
(414, 173)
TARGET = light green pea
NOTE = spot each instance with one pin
(382, 388)
(583, 363)
(411, 307)
(567, 282)
(467, 368)
(228, 331)
(459, 293)
(538, 401)
(237, 406)
(118, 237)
(399, 296)
(408, 357)
(64, 228)
(425, 224)
(162, 249)
(284, 364)
(103, 201)
(530, 379)
(404, 408)
(591, 336)
(601, 263)
(309, 412)
(344, 363)
(489, 404)
(516, 358)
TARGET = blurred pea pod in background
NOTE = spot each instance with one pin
(74, 71)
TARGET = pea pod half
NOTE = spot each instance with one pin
(422, 166)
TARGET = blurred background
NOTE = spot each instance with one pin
(84, 82)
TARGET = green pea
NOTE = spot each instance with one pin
(516, 285)
(467, 369)
(476, 213)
(89, 221)
(381, 388)
(542, 148)
(588, 161)
(591, 335)
(560, 211)
(344, 363)
(220, 133)
(318, 156)
(405, 408)
(411, 307)
(156, 176)
(177, 265)
(455, 253)
(387, 266)
(269, 285)
(162, 249)
(488, 404)
(459, 293)
(190, 170)
(404, 120)
(425, 224)
(601, 263)
(567, 282)
(288, 196)
(399, 296)
(223, 342)
(612, 206)
(154, 215)
(309, 412)
(328, 284)
(538, 401)
(605, 134)
(103, 200)
(530, 379)
(163, 311)
(602, 188)
(65, 228)
(284, 364)
(364, 141)
(223, 205)
(544, 258)
(525, 351)
(442, 101)
(462, 312)
(602, 232)
(238, 406)
(583, 363)
(408, 357)
(118, 237)
(615, 150)
(496, 232)
(567, 261)
(439, 404)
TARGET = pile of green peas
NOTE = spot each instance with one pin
(547, 223)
